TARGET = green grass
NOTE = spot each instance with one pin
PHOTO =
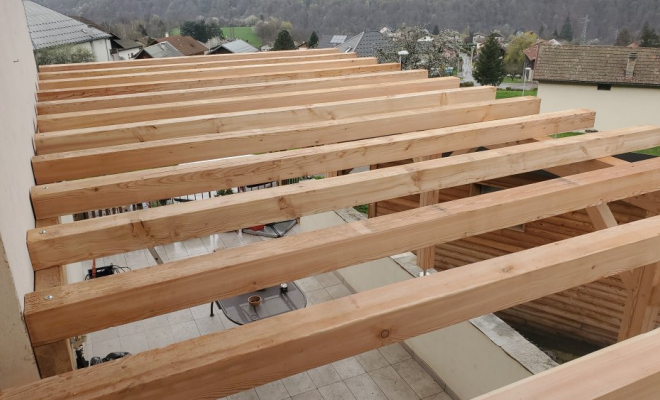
(244, 33)
(512, 80)
(363, 208)
(175, 31)
(505, 94)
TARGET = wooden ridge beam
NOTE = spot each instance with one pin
(159, 153)
(165, 76)
(254, 354)
(133, 187)
(144, 87)
(180, 60)
(87, 138)
(121, 233)
(126, 115)
(627, 370)
(210, 63)
(217, 92)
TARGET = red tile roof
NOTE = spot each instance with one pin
(185, 44)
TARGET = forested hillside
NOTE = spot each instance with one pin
(352, 16)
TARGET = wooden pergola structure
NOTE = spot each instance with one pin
(113, 134)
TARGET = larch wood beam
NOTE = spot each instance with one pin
(218, 92)
(281, 346)
(320, 197)
(150, 87)
(426, 255)
(211, 63)
(640, 314)
(138, 132)
(200, 73)
(180, 60)
(57, 357)
(627, 370)
(126, 115)
(134, 157)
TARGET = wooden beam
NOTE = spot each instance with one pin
(144, 87)
(76, 196)
(137, 132)
(218, 92)
(159, 153)
(426, 255)
(639, 314)
(126, 115)
(200, 73)
(179, 60)
(628, 370)
(294, 342)
(121, 233)
(57, 357)
(217, 62)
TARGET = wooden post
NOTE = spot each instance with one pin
(53, 358)
(426, 255)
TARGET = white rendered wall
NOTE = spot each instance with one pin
(616, 108)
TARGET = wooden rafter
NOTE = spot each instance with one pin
(194, 281)
(252, 355)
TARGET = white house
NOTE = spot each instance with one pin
(604, 79)
(48, 28)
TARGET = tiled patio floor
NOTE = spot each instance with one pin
(387, 373)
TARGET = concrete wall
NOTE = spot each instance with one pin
(470, 358)
(100, 49)
(616, 108)
(18, 79)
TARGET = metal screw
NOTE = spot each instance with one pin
(45, 187)
(385, 334)
(42, 232)
(49, 297)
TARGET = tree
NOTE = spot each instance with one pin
(313, 41)
(284, 41)
(436, 30)
(649, 37)
(623, 37)
(542, 31)
(514, 59)
(65, 54)
(489, 68)
(434, 56)
(567, 30)
(202, 31)
(555, 34)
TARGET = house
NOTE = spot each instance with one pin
(159, 50)
(186, 45)
(234, 47)
(479, 39)
(266, 47)
(364, 44)
(602, 78)
(48, 28)
(532, 52)
(125, 49)
(331, 41)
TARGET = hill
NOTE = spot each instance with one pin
(352, 16)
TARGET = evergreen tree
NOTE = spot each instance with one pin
(489, 68)
(436, 30)
(542, 31)
(313, 41)
(567, 30)
(649, 37)
(623, 38)
(555, 35)
(284, 41)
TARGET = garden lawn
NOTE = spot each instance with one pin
(505, 94)
(244, 33)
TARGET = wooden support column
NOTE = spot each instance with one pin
(426, 255)
(373, 207)
(57, 357)
(640, 311)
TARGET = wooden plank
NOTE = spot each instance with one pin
(125, 115)
(340, 328)
(180, 60)
(158, 153)
(88, 239)
(136, 132)
(426, 255)
(75, 196)
(208, 63)
(112, 90)
(639, 314)
(57, 357)
(200, 73)
(218, 92)
(628, 370)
